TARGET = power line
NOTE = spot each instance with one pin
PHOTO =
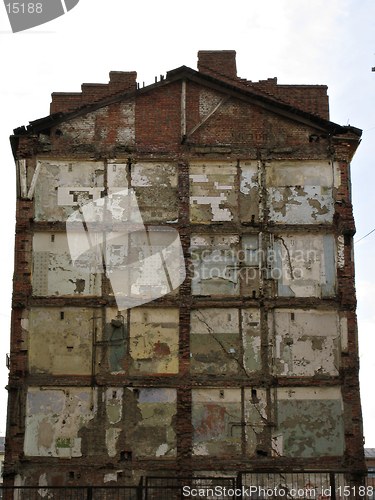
(364, 236)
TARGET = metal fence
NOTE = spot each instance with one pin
(151, 488)
(311, 485)
(314, 485)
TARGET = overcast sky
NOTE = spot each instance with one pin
(329, 42)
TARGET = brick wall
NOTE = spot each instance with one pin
(146, 127)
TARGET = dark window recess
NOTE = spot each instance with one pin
(125, 455)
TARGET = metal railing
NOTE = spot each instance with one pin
(150, 488)
(313, 485)
(307, 485)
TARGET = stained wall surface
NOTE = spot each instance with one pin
(127, 364)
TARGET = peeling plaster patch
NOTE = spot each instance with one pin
(200, 450)
(63, 186)
(156, 187)
(82, 130)
(255, 401)
(152, 434)
(61, 346)
(117, 177)
(340, 252)
(199, 178)
(159, 264)
(290, 205)
(307, 345)
(249, 191)
(310, 421)
(111, 437)
(304, 265)
(76, 197)
(43, 482)
(300, 193)
(215, 262)
(46, 434)
(215, 413)
(111, 476)
(249, 177)
(212, 191)
(116, 347)
(251, 339)
(337, 175)
(154, 340)
(114, 404)
(215, 342)
(54, 418)
(53, 271)
(126, 128)
(162, 450)
(344, 332)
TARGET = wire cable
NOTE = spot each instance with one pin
(364, 236)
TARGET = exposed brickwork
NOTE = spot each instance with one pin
(120, 82)
(222, 65)
(146, 126)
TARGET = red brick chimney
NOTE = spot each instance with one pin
(218, 63)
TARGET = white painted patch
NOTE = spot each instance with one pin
(200, 449)
(112, 476)
(340, 252)
(162, 450)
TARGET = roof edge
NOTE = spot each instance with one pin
(181, 73)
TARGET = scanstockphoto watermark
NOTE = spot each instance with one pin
(248, 263)
(25, 15)
(108, 236)
(276, 492)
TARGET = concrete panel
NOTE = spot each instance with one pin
(61, 340)
(117, 177)
(215, 343)
(251, 339)
(213, 191)
(116, 348)
(304, 265)
(216, 414)
(63, 186)
(256, 419)
(156, 187)
(150, 425)
(154, 335)
(300, 192)
(250, 262)
(310, 422)
(53, 271)
(54, 418)
(215, 264)
(249, 191)
(307, 342)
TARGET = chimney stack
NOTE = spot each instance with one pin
(218, 63)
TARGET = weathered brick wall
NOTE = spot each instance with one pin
(146, 127)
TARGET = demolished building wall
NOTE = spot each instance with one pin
(251, 363)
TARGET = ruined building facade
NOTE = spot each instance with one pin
(250, 361)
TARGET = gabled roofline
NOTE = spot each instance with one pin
(188, 74)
